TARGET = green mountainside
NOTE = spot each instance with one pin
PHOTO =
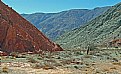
(98, 31)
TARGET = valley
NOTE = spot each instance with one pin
(76, 41)
(53, 25)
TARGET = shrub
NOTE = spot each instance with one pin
(14, 54)
(47, 67)
(59, 58)
(39, 58)
(76, 67)
(92, 47)
(37, 66)
(5, 69)
(79, 53)
(32, 60)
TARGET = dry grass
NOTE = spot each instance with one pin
(5, 69)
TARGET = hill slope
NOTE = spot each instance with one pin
(55, 24)
(18, 35)
(100, 30)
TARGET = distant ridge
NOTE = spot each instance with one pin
(54, 25)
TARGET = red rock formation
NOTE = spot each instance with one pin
(18, 35)
(3, 53)
(116, 42)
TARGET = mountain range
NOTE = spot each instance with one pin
(53, 25)
(100, 30)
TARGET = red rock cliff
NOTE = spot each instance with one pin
(18, 35)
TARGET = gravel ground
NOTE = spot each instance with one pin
(65, 62)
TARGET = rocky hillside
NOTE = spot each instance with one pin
(55, 24)
(18, 35)
(100, 30)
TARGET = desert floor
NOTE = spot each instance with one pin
(105, 61)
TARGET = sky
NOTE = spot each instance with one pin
(54, 6)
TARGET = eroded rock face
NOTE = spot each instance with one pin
(3, 53)
(115, 43)
(18, 35)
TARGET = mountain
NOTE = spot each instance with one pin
(55, 24)
(18, 35)
(100, 30)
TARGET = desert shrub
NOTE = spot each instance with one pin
(116, 63)
(39, 58)
(47, 67)
(76, 67)
(87, 56)
(92, 47)
(14, 54)
(32, 60)
(106, 54)
(37, 66)
(79, 53)
(5, 69)
(21, 56)
(59, 58)
(115, 59)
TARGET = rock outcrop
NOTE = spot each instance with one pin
(3, 53)
(115, 43)
(18, 35)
